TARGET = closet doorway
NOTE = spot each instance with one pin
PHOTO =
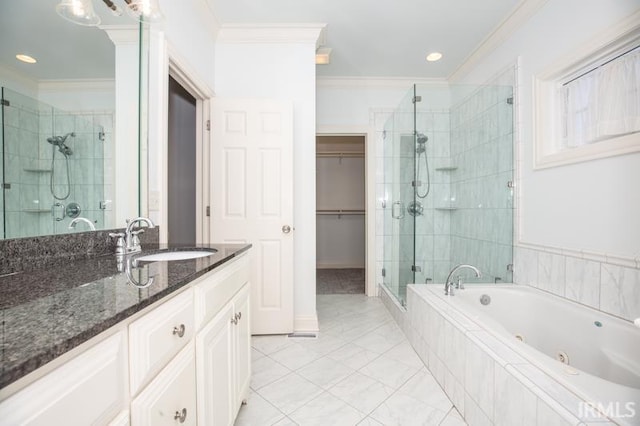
(340, 215)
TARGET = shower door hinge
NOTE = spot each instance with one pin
(5, 102)
(510, 267)
(208, 211)
(384, 134)
(384, 272)
(6, 186)
(510, 184)
(510, 100)
(417, 99)
(416, 183)
(208, 125)
(415, 268)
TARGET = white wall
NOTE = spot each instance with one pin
(587, 206)
(284, 71)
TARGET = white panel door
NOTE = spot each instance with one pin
(252, 200)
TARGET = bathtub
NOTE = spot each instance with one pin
(593, 355)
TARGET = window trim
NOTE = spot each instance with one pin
(547, 118)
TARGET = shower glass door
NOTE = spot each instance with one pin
(399, 225)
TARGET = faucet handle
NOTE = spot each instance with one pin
(119, 236)
(459, 284)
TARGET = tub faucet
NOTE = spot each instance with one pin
(448, 284)
(131, 240)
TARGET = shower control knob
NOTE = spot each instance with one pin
(286, 229)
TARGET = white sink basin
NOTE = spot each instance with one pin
(175, 255)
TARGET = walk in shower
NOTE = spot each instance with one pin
(447, 192)
(54, 167)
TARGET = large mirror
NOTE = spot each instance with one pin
(60, 129)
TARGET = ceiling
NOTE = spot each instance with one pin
(383, 38)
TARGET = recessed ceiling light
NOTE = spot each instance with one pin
(434, 56)
(26, 58)
(323, 56)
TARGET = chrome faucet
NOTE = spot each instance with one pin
(448, 284)
(74, 222)
(131, 240)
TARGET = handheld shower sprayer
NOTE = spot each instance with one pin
(421, 149)
(59, 141)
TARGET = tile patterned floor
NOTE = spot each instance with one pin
(359, 371)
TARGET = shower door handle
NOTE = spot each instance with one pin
(62, 210)
(397, 210)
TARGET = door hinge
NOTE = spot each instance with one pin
(208, 125)
(208, 211)
(510, 267)
(384, 272)
(6, 186)
(417, 99)
(5, 102)
(415, 268)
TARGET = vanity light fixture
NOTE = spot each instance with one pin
(78, 11)
(26, 58)
(323, 56)
(81, 11)
(434, 56)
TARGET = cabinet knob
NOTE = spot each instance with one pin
(179, 331)
(181, 416)
(286, 229)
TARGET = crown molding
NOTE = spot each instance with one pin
(376, 82)
(518, 17)
(273, 33)
(79, 85)
(208, 10)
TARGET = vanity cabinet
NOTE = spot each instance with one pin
(87, 390)
(170, 399)
(182, 361)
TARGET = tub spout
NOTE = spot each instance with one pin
(448, 284)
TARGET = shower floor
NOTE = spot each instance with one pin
(340, 281)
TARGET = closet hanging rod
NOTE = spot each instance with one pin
(340, 212)
(340, 154)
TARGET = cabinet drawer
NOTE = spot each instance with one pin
(87, 390)
(155, 338)
(170, 399)
(216, 291)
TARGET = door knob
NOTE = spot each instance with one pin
(286, 229)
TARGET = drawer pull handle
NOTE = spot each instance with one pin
(181, 416)
(179, 331)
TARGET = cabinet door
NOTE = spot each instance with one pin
(87, 390)
(170, 398)
(214, 364)
(242, 346)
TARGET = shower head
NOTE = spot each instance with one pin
(59, 141)
(421, 139)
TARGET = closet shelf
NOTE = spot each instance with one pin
(448, 209)
(446, 168)
(340, 154)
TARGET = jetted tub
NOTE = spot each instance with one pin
(595, 355)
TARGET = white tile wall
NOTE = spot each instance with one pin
(604, 286)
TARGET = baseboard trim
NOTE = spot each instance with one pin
(306, 324)
(339, 266)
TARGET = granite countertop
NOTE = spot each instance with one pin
(48, 312)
